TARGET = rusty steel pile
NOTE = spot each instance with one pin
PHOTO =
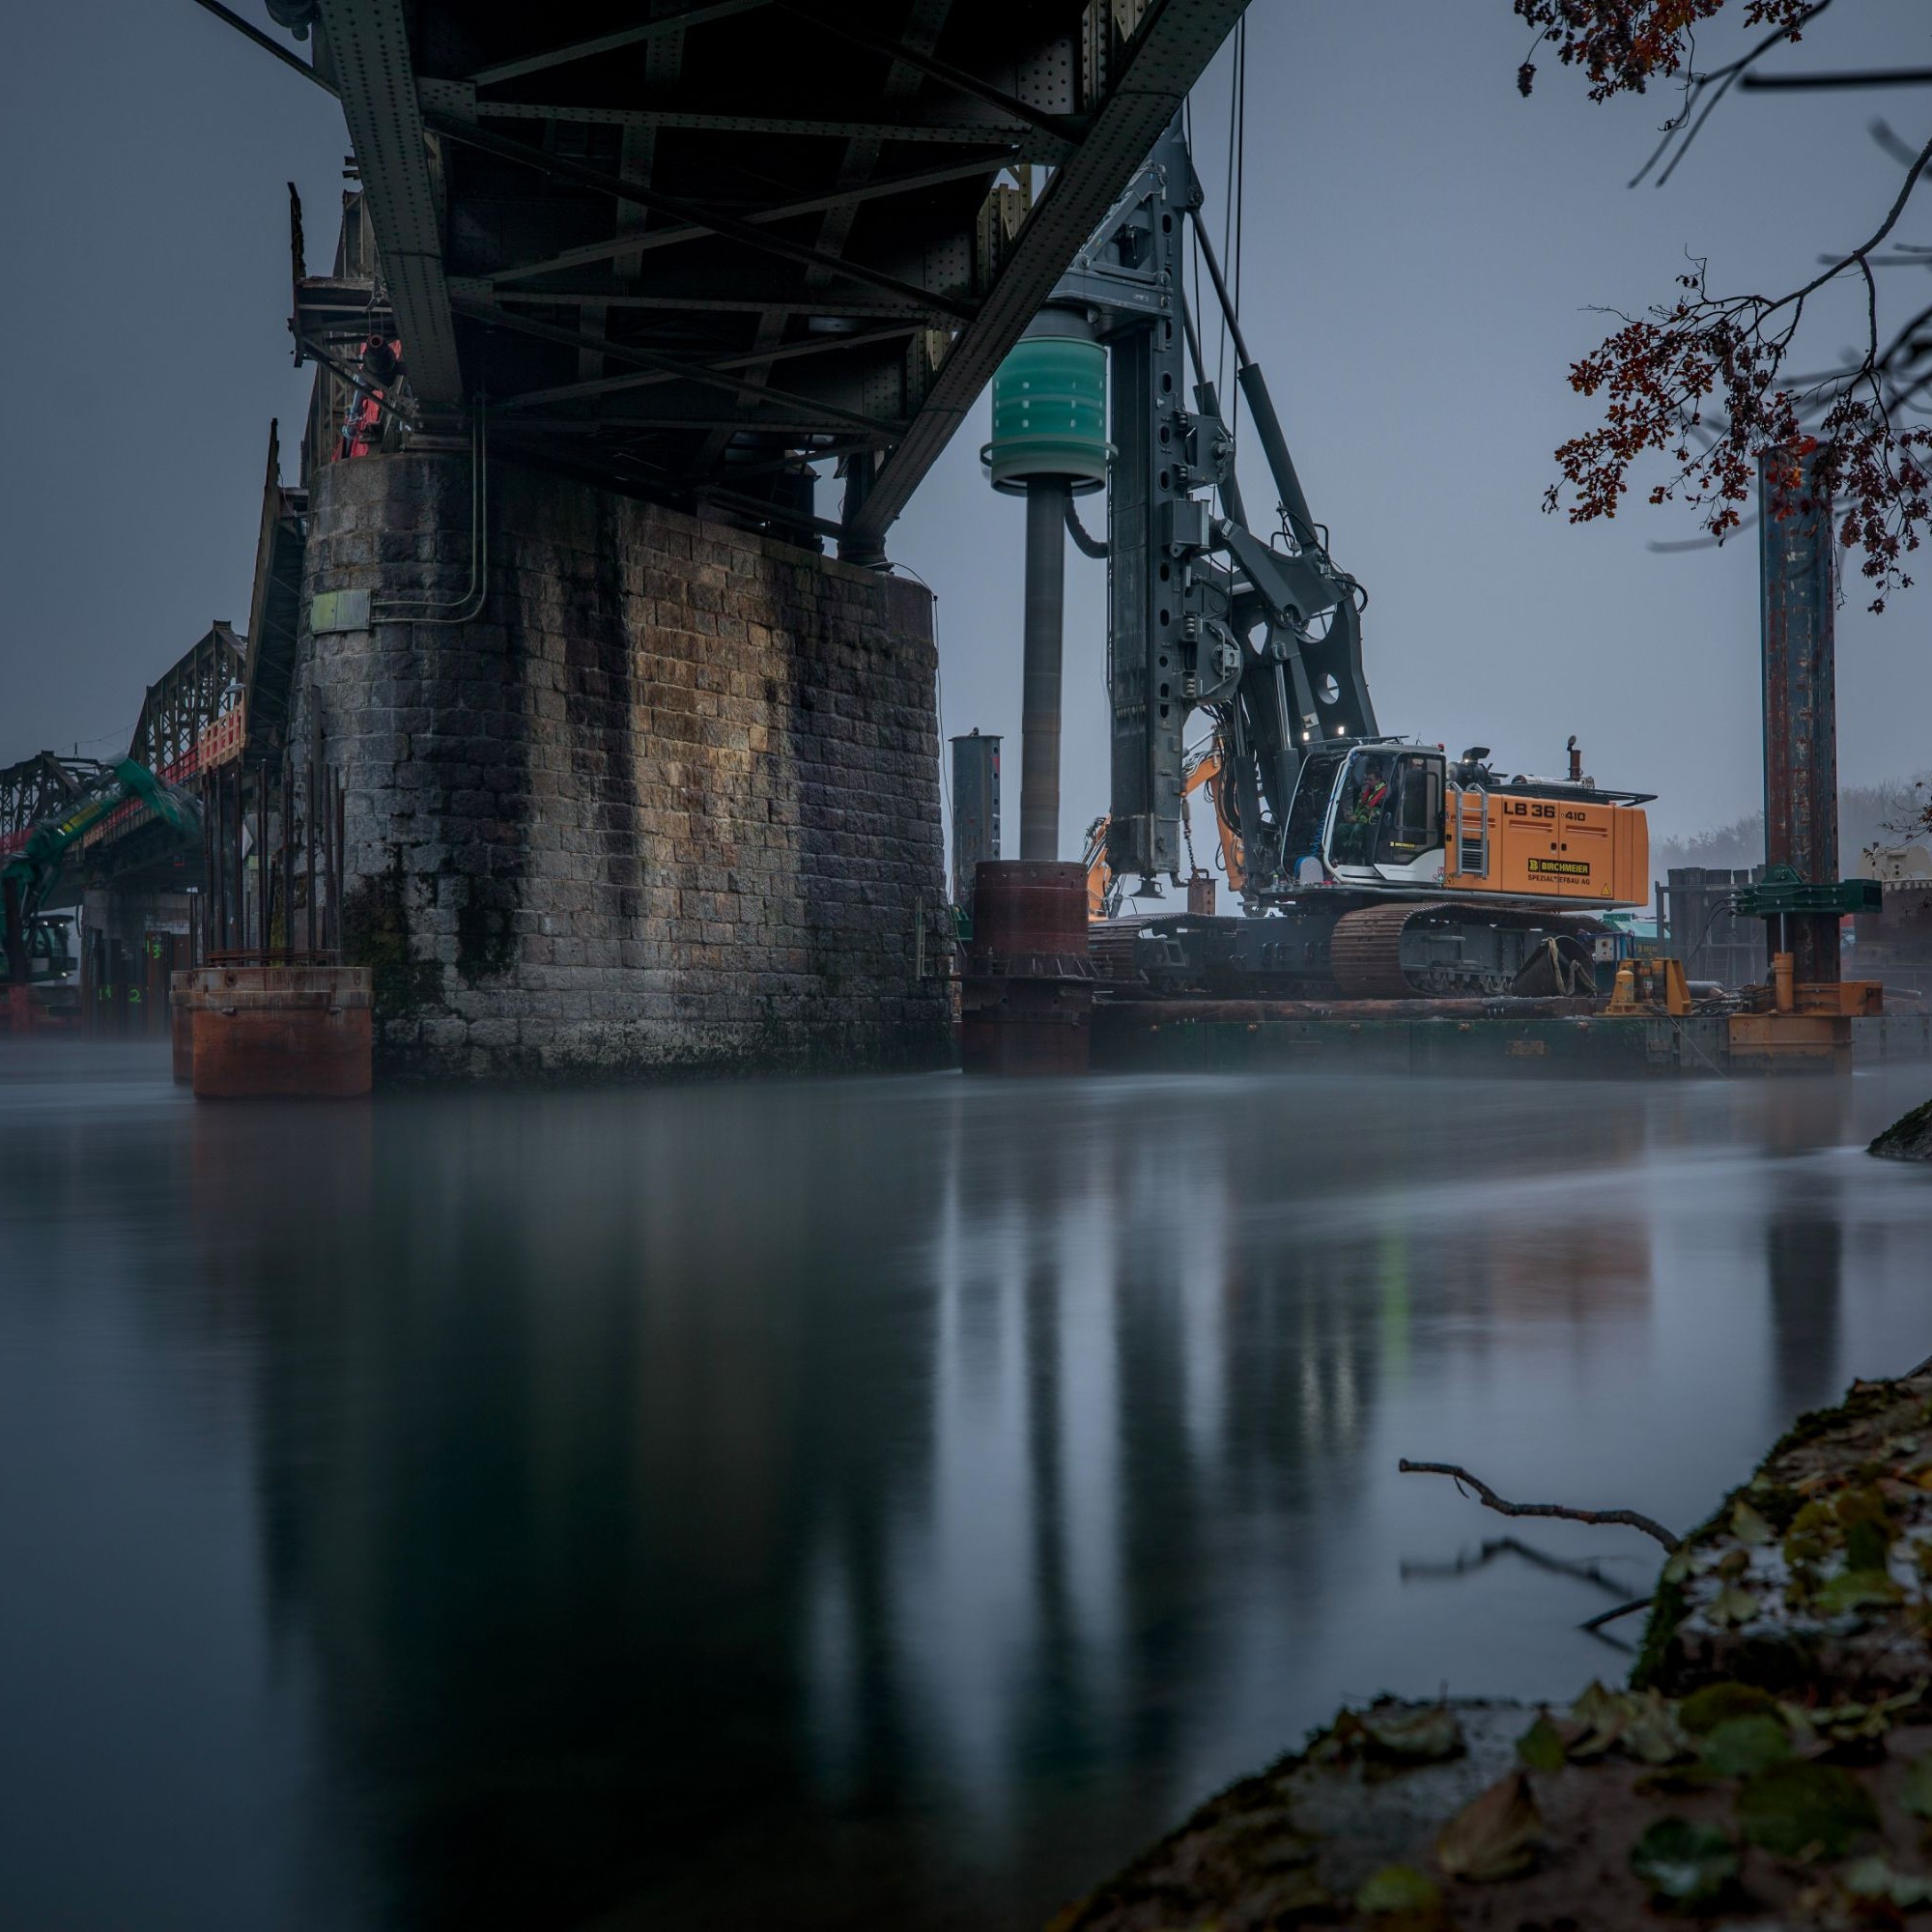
(1027, 992)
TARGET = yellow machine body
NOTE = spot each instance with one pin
(1388, 815)
(1562, 848)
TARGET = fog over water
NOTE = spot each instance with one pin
(838, 1504)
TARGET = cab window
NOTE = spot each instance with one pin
(1305, 816)
(1418, 820)
(1367, 793)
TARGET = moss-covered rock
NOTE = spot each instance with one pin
(1907, 1139)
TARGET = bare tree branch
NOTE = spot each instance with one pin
(1603, 1617)
(1585, 1571)
(1629, 1518)
(1720, 81)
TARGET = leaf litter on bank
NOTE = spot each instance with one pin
(1643, 1725)
(1773, 1789)
(1873, 1877)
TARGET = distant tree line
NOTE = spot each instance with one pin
(1891, 812)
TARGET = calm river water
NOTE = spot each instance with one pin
(873, 1503)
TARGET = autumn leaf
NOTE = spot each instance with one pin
(1742, 1746)
(1495, 1835)
(1423, 1734)
(1859, 1590)
(1623, 45)
(1873, 1878)
(1404, 1898)
(1692, 1864)
(1796, 1809)
(1541, 1747)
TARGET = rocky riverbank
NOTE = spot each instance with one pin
(1907, 1139)
(1769, 1761)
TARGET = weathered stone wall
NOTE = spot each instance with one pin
(670, 801)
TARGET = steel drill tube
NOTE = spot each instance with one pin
(1797, 598)
(1046, 500)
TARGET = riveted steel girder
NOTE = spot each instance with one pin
(368, 49)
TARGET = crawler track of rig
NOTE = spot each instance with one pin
(1365, 955)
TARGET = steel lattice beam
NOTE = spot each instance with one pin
(33, 791)
(188, 697)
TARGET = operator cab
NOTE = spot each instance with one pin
(50, 954)
(1371, 813)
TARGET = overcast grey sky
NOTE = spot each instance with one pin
(1423, 251)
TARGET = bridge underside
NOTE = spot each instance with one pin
(694, 252)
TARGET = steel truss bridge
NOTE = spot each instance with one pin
(687, 249)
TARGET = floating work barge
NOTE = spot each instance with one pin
(1092, 1003)
(1476, 1036)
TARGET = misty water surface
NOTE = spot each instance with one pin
(841, 1504)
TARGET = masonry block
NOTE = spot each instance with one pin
(668, 802)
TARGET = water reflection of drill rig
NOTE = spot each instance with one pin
(1128, 1405)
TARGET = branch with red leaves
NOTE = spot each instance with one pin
(1703, 382)
(1623, 45)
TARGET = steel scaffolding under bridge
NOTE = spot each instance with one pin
(684, 251)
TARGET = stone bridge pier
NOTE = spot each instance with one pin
(626, 791)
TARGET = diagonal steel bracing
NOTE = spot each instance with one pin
(671, 22)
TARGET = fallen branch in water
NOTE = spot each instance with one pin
(1631, 1519)
(1585, 1570)
(1603, 1617)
